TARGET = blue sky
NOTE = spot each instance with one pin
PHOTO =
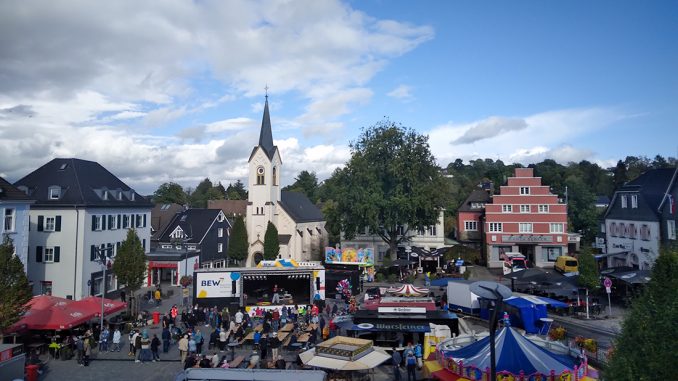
(174, 91)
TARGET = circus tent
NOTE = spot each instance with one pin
(408, 290)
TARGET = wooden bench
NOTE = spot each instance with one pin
(236, 362)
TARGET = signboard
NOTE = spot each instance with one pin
(607, 282)
(218, 284)
(349, 256)
(403, 327)
(403, 310)
(608, 290)
(459, 262)
(527, 238)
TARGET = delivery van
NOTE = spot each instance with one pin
(566, 264)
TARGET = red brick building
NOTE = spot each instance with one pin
(470, 218)
(525, 217)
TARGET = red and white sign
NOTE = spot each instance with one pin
(607, 282)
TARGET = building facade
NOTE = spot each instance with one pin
(470, 216)
(14, 209)
(641, 219)
(525, 217)
(80, 210)
(300, 224)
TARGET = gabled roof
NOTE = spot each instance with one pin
(229, 207)
(195, 223)
(161, 216)
(478, 195)
(81, 183)
(651, 188)
(9, 192)
(299, 207)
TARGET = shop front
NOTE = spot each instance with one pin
(391, 326)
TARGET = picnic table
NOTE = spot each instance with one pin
(287, 327)
(282, 335)
(303, 338)
(311, 327)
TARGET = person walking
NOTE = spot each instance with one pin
(183, 348)
(79, 349)
(192, 347)
(137, 346)
(87, 351)
(158, 296)
(411, 363)
(199, 340)
(166, 337)
(103, 340)
(223, 336)
(116, 340)
(155, 344)
(274, 343)
(396, 359)
(132, 338)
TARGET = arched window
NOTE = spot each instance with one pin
(275, 178)
(260, 175)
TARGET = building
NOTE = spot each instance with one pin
(641, 218)
(14, 209)
(231, 208)
(525, 217)
(161, 216)
(300, 224)
(470, 217)
(80, 208)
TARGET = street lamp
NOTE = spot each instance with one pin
(103, 259)
(495, 293)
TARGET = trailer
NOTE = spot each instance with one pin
(461, 299)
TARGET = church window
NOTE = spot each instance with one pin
(275, 179)
(260, 176)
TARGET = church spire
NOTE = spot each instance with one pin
(266, 136)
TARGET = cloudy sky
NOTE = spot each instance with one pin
(174, 90)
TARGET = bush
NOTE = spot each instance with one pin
(392, 278)
(380, 277)
(557, 333)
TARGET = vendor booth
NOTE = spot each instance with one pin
(387, 324)
(527, 311)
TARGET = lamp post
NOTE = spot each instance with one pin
(495, 293)
(103, 259)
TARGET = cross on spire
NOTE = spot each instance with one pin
(266, 89)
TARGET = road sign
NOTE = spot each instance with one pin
(607, 282)
(608, 290)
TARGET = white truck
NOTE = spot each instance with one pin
(461, 299)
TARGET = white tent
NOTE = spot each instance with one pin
(371, 360)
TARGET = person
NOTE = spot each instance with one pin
(199, 340)
(280, 363)
(276, 296)
(155, 344)
(166, 337)
(263, 346)
(396, 359)
(87, 351)
(335, 309)
(205, 362)
(222, 339)
(254, 360)
(137, 346)
(192, 346)
(158, 296)
(132, 339)
(223, 364)
(215, 359)
(122, 296)
(238, 317)
(418, 354)
(274, 343)
(103, 340)
(256, 337)
(409, 349)
(183, 348)
(145, 348)
(116, 340)
(79, 350)
(411, 363)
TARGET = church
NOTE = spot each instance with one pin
(300, 224)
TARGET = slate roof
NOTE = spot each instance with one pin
(651, 188)
(229, 207)
(9, 192)
(161, 216)
(82, 183)
(299, 207)
(194, 222)
(265, 135)
(478, 195)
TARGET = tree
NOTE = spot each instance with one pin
(236, 191)
(15, 291)
(169, 193)
(130, 262)
(391, 185)
(646, 347)
(271, 243)
(620, 174)
(238, 245)
(581, 208)
(306, 183)
(588, 270)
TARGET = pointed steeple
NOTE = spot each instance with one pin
(266, 136)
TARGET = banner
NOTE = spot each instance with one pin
(349, 256)
(217, 284)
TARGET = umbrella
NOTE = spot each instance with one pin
(371, 360)
(92, 304)
(51, 313)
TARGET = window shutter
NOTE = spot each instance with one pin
(103, 222)
(57, 253)
(143, 243)
(110, 222)
(144, 220)
(57, 224)
(38, 254)
(94, 222)
(41, 223)
(119, 221)
(92, 254)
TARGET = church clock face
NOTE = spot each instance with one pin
(260, 170)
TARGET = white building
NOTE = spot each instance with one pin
(80, 207)
(300, 224)
(14, 208)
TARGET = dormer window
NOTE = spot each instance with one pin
(54, 193)
(178, 233)
(119, 196)
(260, 175)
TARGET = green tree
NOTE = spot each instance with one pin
(588, 270)
(646, 348)
(307, 183)
(581, 208)
(236, 191)
(130, 262)
(168, 193)
(391, 181)
(237, 244)
(15, 292)
(271, 243)
(620, 174)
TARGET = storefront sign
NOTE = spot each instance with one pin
(162, 265)
(217, 285)
(527, 238)
(403, 327)
(349, 256)
(402, 310)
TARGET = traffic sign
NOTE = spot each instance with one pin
(607, 282)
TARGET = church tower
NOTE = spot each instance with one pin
(264, 167)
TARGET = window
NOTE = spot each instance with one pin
(556, 228)
(525, 227)
(495, 227)
(177, 233)
(220, 247)
(166, 246)
(624, 202)
(112, 222)
(125, 221)
(477, 205)
(96, 223)
(275, 178)
(524, 190)
(543, 208)
(46, 287)
(506, 208)
(634, 201)
(431, 230)
(470, 225)
(48, 255)
(645, 232)
(49, 224)
(671, 229)
(613, 229)
(9, 219)
(260, 175)
(524, 209)
(54, 193)
(633, 232)
(400, 230)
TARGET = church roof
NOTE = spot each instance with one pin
(266, 136)
(299, 207)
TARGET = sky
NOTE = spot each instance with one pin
(174, 90)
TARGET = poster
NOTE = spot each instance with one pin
(349, 256)
(217, 284)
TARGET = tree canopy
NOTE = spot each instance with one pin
(307, 183)
(588, 270)
(169, 193)
(15, 291)
(391, 184)
(646, 347)
(236, 191)
(130, 262)
(237, 244)
(271, 242)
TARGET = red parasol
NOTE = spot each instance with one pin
(92, 304)
(51, 313)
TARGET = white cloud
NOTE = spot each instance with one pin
(489, 128)
(402, 92)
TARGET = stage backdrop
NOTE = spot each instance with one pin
(349, 256)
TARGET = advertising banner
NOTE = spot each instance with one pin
(218, 284)
(349, 256)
